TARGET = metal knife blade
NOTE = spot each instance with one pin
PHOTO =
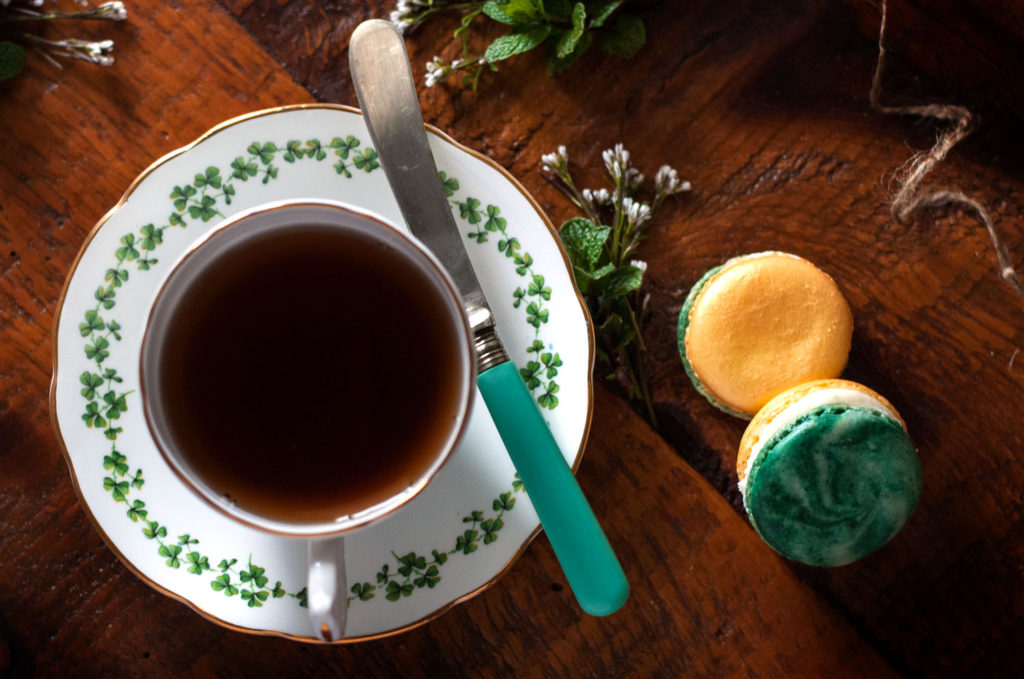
(376, 53)
(387, 95)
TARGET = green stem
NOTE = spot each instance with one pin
(637, 368)
(618, 222)
(640, 376)
(456, 7)
(23, 14)
(461, 31)
(474, 68)
(568, 187)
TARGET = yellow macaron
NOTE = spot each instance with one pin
(760, 324)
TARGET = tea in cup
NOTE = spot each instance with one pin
(307, 369)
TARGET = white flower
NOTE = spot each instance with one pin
(100, 52)
(609, 162)
(666, 176)
(97, 52)
(402, 16)
(596, 197)
(436, 71)
(113, 11)
(666, 182)
(637, 213)
(633, 178)
(553, 162)
(640, 264)
(617, 161)
(643, 214)
(402, 23)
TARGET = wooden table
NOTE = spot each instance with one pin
(763, 107)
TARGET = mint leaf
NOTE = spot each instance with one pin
(626, 38)
(598, 274)
(567, 43)
(517, 42)
(522, 11)
(584, 241)
(558, 64)
(601, 10)
(622, 281)
(12, 59)
(492, 9)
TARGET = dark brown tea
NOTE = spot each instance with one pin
(310, 373)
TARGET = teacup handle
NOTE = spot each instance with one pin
(325, 591)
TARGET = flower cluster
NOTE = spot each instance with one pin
(409, 13)
(109, 11)
(602, 245)
(93, 51)
(438, 70)
(12, 52)
(629, 216)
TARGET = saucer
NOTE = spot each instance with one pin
(450, 542)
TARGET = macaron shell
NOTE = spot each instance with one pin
(761, 324)
(834, 486)
(683, 324)
(778, 406)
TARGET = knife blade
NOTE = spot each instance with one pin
(387, 95)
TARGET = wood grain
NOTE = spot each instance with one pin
(763, 107)
(962, 48)
(70, 609)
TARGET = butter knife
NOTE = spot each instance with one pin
(387, 95)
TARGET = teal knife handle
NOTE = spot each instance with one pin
(590, 565)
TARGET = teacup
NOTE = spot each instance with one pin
(306, 369)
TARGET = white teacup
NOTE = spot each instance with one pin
(348, 463)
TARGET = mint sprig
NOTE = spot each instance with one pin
(566, 28)
(602, 245)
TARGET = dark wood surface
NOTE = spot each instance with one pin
(763, 107)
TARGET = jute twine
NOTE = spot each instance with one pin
(911, 198)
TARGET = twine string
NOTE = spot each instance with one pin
(911, 198)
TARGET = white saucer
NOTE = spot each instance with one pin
(449, 543)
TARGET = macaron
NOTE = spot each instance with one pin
(828, 473)
(760, 324)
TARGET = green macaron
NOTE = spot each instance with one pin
(828, 473)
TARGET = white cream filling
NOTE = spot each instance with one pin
(802, 406)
